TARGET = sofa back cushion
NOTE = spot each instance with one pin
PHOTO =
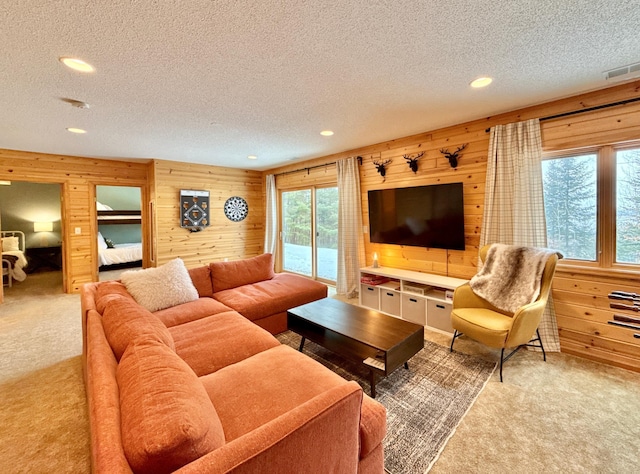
(107, 290)
(124, 321)
(201, 278)
(227, 275)
(167, 418)
(161, 287)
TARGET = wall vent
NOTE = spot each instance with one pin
(624, 73)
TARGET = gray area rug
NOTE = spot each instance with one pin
(424, 404)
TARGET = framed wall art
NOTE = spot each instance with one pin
(194, 209)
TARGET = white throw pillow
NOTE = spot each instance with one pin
(10, 244)
(161, 287)
(102, 244)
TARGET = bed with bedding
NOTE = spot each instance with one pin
(13, 258)
(110, 254)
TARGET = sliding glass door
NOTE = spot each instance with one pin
(310, 232)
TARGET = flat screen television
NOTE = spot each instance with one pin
(422, 216)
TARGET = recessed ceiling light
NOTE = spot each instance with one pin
(76, 130)
(77, 64)
(252, 157)
(326, 133)
(481, 82)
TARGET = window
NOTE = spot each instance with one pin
(628, 206)
(310, 232)
(570, 197)
(592, 205)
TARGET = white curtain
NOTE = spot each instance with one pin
(350, 240)
(514, 202)
(271, 224)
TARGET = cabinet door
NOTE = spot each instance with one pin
(439, 315)
(414, 309)
(390, 301)
(369, 296)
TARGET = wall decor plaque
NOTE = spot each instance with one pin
(194, 209)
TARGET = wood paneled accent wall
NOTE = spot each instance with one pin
(78, 177)
(224, 238)
(580, 295)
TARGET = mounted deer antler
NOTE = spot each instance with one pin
(453, 157)
(413, 161)
(380, 166)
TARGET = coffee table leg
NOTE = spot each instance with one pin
(406, 365)
(301, 344)
(372, 383)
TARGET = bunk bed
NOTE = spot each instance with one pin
(121, 255)
(13, 256)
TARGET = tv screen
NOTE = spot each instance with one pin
(422, 216)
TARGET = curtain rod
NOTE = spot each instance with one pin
(581, 111)
(308, 168)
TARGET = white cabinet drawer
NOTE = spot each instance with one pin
(439, 315)
(390, 301)
(414, 309)
(369, 296)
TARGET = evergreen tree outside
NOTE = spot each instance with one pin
(628, 206)
(296, 211)
(570, 203)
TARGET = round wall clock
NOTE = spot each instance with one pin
(236, 209)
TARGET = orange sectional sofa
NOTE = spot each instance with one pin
(201, 387)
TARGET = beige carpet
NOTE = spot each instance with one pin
(565, 415)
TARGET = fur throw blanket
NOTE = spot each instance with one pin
(510, 276)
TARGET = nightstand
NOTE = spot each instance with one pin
(44, 259)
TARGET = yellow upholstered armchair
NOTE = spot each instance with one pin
(482, 321)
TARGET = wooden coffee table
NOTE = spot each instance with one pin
(382, 343)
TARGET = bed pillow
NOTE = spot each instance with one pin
(161, 287)
(102, 244)
(10, 244)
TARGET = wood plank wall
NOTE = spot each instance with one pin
(224, 238)
(78, 178)
(580, 294)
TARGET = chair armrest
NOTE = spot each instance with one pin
(464, 297)
(321, 435)
(525, 322)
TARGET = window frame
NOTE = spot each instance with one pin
(605, 207)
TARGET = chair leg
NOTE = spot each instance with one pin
(453, 339)
(544, 354)
(530, 344)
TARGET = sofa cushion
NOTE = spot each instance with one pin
(107, 290)
(161, 287)
(201, 278)
(183, 313)
(227, 275)
(373, 425)
(124, 321)
(214, 342)
(167, 419)
(284, 291)
(259, 385)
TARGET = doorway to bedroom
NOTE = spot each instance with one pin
(32, 238)
(119, 225)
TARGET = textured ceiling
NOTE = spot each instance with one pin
(214, 81)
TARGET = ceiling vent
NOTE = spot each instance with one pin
(624, 73)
